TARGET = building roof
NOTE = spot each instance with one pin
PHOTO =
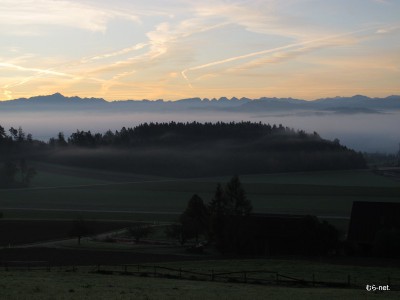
(368, 218)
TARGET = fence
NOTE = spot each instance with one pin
(265, 277)
(33, 266)
(26, 265)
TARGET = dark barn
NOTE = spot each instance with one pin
(375, 228)
(280, 234)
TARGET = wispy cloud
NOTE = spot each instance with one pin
(186, 48)
(389, 29)
(305, 45)
(161, 40)
(381, 1)
(17, 16)
(36, 70)
(7, 92)
(265, 17)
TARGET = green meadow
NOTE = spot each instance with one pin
(61, 192)
(82, 284)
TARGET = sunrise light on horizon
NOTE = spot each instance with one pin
(177, 49)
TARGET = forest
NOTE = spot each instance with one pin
(182, 150)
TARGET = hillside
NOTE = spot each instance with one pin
(188, 149)
(202, 149)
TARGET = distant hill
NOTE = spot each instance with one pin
(354, 104)
(202, 149)
(180, 150)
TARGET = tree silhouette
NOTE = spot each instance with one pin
(3, 133)
(217, 211)
(238, 204)
(398, 157)
(8, 174)
(188, 149)
(139, 231)
(26, 172)
(14, 133)
(194, 218)
(176, 231)
(21, 135)
(79, 229)
(61, 140)
(227, 212)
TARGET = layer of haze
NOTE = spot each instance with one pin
(364, 132)
(131, 49)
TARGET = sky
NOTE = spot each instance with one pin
(175, 49)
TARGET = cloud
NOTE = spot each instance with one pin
(327, 40)
(111, 67)
(197, 40)
(165, 44)
(265, 17)
(18, 16)
(276, 57)
(36, 70)
(127, 50)
(37, 73)
(381, 1)
(389, 29)
(7, 94)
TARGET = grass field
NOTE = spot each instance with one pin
(83, 285)
(64, 192)
(301, 269)
(50, 175)
(17, 232)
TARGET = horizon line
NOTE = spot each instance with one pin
(197, 97)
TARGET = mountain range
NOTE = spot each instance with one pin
(354, 104)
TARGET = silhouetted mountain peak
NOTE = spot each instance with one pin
(360, 97)
(393, 97)
(356, 103)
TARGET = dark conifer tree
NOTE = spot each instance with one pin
(217, 211)
(238, 204)
(194, 218)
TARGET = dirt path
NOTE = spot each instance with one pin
(58, 243)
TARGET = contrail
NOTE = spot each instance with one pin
(7, 65)
(224, 61)
(39, 72)
(116, 53)
(185, 77)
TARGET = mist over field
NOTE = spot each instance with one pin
(370, 132)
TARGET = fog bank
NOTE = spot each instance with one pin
(363, 132)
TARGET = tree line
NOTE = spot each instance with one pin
(15, 146)
(174, 133)
(203, 149)
(187, 149)
(227, 222)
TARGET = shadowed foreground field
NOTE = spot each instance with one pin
(65, 193)
(60, 192)
(75, 285)
(17, 232)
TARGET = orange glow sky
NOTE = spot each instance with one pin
(182, 48)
